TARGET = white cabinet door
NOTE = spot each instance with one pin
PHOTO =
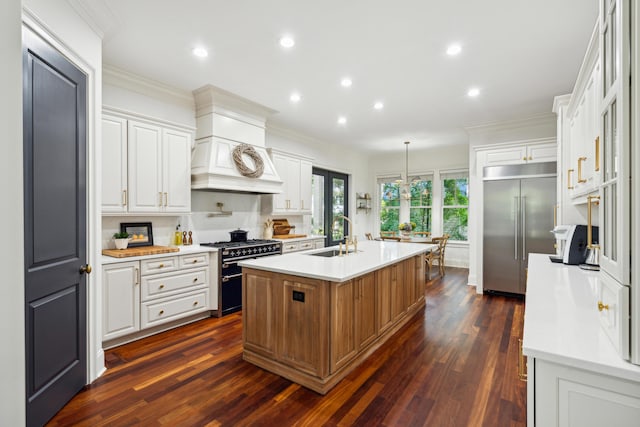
(145, 168)
(569, 397)
(293, 186)
(506, 156)
(280, 200)
(176, 171)
(114, 164)
(120, 299)
(305, 186)
(543, 152)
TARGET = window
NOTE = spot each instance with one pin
(455, 204)
(389, 197)
(420, 206)
(329, 192)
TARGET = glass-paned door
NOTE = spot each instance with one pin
(330, 196)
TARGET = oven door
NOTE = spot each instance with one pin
(230, 287)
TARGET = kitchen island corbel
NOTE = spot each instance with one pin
(313, 319)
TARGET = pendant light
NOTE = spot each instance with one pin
(405, 193)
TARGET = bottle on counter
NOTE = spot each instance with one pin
(177, 236)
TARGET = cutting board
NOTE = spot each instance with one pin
(139, 251)
(288, 236)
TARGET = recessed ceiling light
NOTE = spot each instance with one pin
(295, 97)
(454, 49)
(342, 120)
(287, 41)
(473, 92)
(200, 52)
(346, 82)
(378, 105)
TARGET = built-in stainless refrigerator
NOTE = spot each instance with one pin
(518, 203)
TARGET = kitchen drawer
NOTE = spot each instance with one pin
(158, 265)
(195, 260)
(613, 312)
(290, 247)
(165, 310)
(171, 283)
(306, 244)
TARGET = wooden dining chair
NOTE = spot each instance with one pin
(387, 234)
(437, 255)
(394, 238)
(368, 236)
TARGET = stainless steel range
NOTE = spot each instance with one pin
(230, 273)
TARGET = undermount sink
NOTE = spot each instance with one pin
(330, 253)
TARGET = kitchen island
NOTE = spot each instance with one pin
(313, 319)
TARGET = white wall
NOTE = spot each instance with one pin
(12, 386)
(543, 126)
(426, 160)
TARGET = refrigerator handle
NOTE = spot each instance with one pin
(524, 226)
(516, 214)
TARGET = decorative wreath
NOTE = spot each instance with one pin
(242, 166)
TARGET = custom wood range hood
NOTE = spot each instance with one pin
(230, 153)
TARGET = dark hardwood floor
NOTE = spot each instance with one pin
(453, 365)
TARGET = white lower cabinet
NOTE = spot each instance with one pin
(142, 294)
(120, 299)
(569, 397)
(302, 244)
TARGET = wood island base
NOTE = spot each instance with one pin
(315, 332)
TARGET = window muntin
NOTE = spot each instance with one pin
(455, 205)
(420, 204)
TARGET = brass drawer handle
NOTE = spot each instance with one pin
(597, 150)
(580, 178)
(161, 312)
(602, 306)
(569, 186)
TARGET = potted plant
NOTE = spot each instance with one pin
(405, 229)
(121, 239)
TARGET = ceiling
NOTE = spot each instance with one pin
(519, 53)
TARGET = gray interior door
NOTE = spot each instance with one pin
(54, 118)
(501, 236)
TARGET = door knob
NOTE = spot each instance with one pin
(85, 269)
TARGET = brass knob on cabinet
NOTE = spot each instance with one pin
(524, 158)
(195, 303)
(602, 306)
(160, 265)
(195, 279)
(161, 312)
(86, 269)
(161, 287)
(195, 261)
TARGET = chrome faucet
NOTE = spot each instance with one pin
(347, 238)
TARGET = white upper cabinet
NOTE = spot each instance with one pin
(114, 164)
(146, 166)
(295, 172)
(615, 193)
(515, 154)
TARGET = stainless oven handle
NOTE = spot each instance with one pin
(233, 276)
(228, 264)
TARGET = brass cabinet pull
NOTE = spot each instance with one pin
(591, 200)
(569, 186)
(160, 198)
(580, 178)
(522, 363)
(602, 306)
(194, 261)
(524, 158)
(195, 303)
(124, 197)
(160, 265)
(530, 157)
(161, 312)
(161, 287)
(597, 149)
(135, 273)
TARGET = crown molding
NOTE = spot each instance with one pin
(560, 101)
(531, 121)
(98, 15)
(124, 79)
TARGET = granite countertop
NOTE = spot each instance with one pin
(561, 320)
(184, 250)
(371, 256)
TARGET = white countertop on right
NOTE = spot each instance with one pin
(561, 320)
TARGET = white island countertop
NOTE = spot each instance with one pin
(371, 256)
(561, 320)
